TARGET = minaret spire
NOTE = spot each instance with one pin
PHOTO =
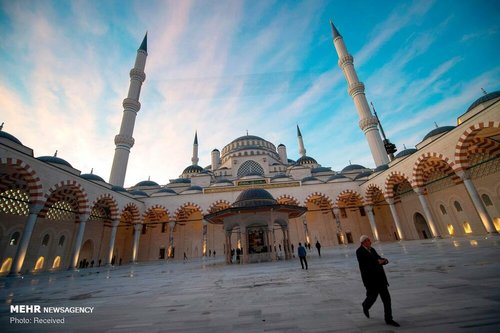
(124, 140)
(356, 89)
(302, 150)
(195, 158)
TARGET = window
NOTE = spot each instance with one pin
(451, 230)
(61, 240)
(56, 263)
(6, 265)
(143, 229)
(443, 210)
(486, 200)
(362, 212)
(458, 207)
(39, 264)
(163, 225)
(467, 228)
(46, 240)
(14, 238)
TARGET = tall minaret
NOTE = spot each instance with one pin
(302, 150)
(195, 158)
(124, 140)
(368, 123)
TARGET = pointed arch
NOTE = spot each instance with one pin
(183, 212)
(70, 191)
(349, 198)
(108, 201)
(156, 213)
(218, 205)
(394, 178)
(320, 199)
(466, 144)
(25, 172)
(286, 199)
(373, 193)
(431, 163)
(130, 214)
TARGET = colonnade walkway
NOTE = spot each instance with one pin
(446, 285)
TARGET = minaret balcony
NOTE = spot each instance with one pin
(125, 140)
(137, 74)
(346, 60)
(131, 104)
(356, 88)
(368, 122)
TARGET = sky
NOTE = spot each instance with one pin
(223, 68)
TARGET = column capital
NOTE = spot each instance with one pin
(115, 223)
(171, 224)
(336, 210)
(35, 208)
(83, 217)
(390, 201)
(368, 208)
(138, 227)
(419, 190)
(463, 174)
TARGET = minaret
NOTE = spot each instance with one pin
(124, 140)
(302, 150)
(368, 123)
(195, 158)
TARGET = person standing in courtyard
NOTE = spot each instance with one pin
(302, 255)
(374, 279)
(318, 247)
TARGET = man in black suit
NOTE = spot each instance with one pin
(374, 279)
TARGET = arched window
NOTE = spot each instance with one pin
(486, 200)
(451, 230)
(457, 205)
(61, 240)
(250, 167)
(56, 263)
(6, 265)
(467, 228)
(39, 263)
(14, 238)
(443, 210)
(45, 240)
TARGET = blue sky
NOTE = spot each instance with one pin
(225, 67)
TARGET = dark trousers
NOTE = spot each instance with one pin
(371, 297)
(303, 261)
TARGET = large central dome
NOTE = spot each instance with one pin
(249, 145)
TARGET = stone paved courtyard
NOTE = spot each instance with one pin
(441, 286)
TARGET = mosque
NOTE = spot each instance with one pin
(252, 200)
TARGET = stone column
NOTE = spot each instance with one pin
(204, 238)
(336, 213)
(171, 249)
(228, 246)
(22, 248)
(78, 241)
(369, 211)
(290, 254)
(427, 211)
(244, 244)
(112, 239)
(478, 203)
(306, 230)
(395, 216)
(137, 235)
(285, 241)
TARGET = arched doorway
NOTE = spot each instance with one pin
(86, 254)
(421, 226)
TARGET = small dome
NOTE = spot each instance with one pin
(310, 179)
(10, 137)
(166, 190)
(352, 167)
(439, 130)
(363, 175)
(290, 161)
(193, 169)
(180, 181)
(381, 168)
(321, 169)
(194, 188)
(138, 193)
(306, 160)
(253, 197)
(223, 180)
(405, 152)
(91, 176)
(337, 176)
(53, 160)
(117, 188)
(281, 145)
(146, 183)
(484, 99)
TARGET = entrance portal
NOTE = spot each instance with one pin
(256, 240)
(421, 226)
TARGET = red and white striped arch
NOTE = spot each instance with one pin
(467, 139)
(26, 172)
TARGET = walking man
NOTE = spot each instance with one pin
(318, 247)
(302, 255)
(374, 279)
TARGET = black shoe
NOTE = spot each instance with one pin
(366, 312)
(392, 323)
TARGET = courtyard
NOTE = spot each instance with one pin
(444, 285)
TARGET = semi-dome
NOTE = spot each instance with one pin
(381, 167)
(9, 137)
(439, 130)
(483, 99)
(91, 176)
(194, 188)
(193, 169)
(306, 160)
(405, 152)
(117, 188)
(363, 175)
(254, 197)
(352, 167)
(139, 193)
(146, 183)
(53, 160)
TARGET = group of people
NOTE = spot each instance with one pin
(371, 265)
